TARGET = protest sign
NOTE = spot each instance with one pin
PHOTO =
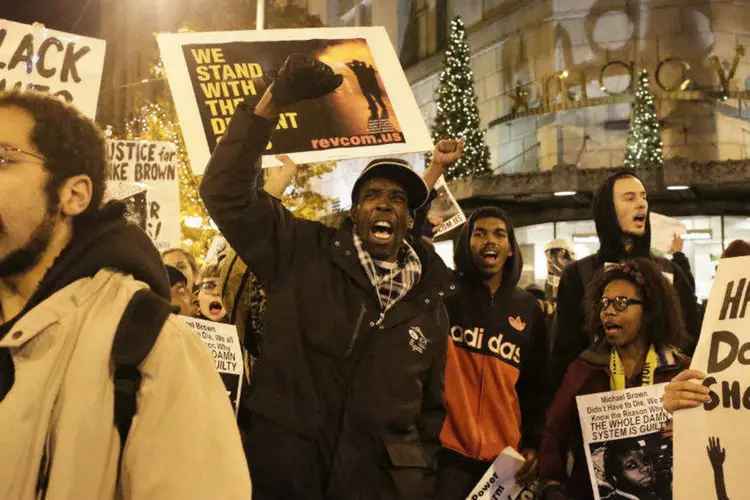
(711, 440)
(68, 66)
(154, 165)
(663, 230)
(373, 113)
(499, 482)
(626, 453)
(222, 341)
(445, 209)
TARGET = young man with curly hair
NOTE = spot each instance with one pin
(69, 271)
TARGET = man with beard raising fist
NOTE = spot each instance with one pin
(623, 226)
(347, 396)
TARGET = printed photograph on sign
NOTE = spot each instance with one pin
(639, 467)
(372, 113)
(66, 65)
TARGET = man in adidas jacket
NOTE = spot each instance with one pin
(497, 386)
(68, 270)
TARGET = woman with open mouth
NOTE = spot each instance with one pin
(210, 306)
(634, 319)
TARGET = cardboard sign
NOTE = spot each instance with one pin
(222, 341)
(710, 440)
(627, 455)
(499, 482)
(373, 112)
(65, 65)
(445, 208)
(154, 165)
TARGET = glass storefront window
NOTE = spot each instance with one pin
(703, 245)
(531, 240)
(582, 234)
(703, 248)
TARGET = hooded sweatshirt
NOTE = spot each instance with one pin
(496, 388)
(108, 241)
(570, 337)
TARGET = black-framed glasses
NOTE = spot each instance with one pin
(4, 150)
(619, 303)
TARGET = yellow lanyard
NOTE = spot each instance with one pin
(617, 371)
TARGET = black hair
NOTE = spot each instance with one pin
(608, 227)
(70, 143)
(662, 322)
(464, 261)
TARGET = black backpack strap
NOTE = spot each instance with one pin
(136, 334)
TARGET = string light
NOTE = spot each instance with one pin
(457, 111)
(644, 135)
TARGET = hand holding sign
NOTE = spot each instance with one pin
(677, 244)
(279, 178)
(528, 471)
(682, 392)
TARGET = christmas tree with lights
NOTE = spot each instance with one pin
(457, 112)
(644, 135)
(155, 122)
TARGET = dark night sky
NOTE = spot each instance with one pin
(55, 14)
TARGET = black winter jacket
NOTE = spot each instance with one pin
(341, 407)
(570, 338)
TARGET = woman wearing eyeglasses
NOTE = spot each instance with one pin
(634, 319)
(210, 306)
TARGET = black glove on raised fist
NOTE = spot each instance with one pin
(303, 77)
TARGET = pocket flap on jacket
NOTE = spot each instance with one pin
(407, 455)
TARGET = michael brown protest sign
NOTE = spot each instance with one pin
(627, 456)
(152, 164)
(373, 112)
(66, 65)
(222, 341)
(712, 441)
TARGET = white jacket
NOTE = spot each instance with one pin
(183, 443)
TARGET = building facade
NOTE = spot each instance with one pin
(554, 83)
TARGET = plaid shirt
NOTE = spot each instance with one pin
(392, 281)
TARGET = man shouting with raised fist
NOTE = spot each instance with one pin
(347, 398)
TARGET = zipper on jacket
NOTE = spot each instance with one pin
(479, 407)
(356, 331)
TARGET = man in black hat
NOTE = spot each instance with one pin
(347, 398)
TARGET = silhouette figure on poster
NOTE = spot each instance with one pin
(368, 82)
(717, 455)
